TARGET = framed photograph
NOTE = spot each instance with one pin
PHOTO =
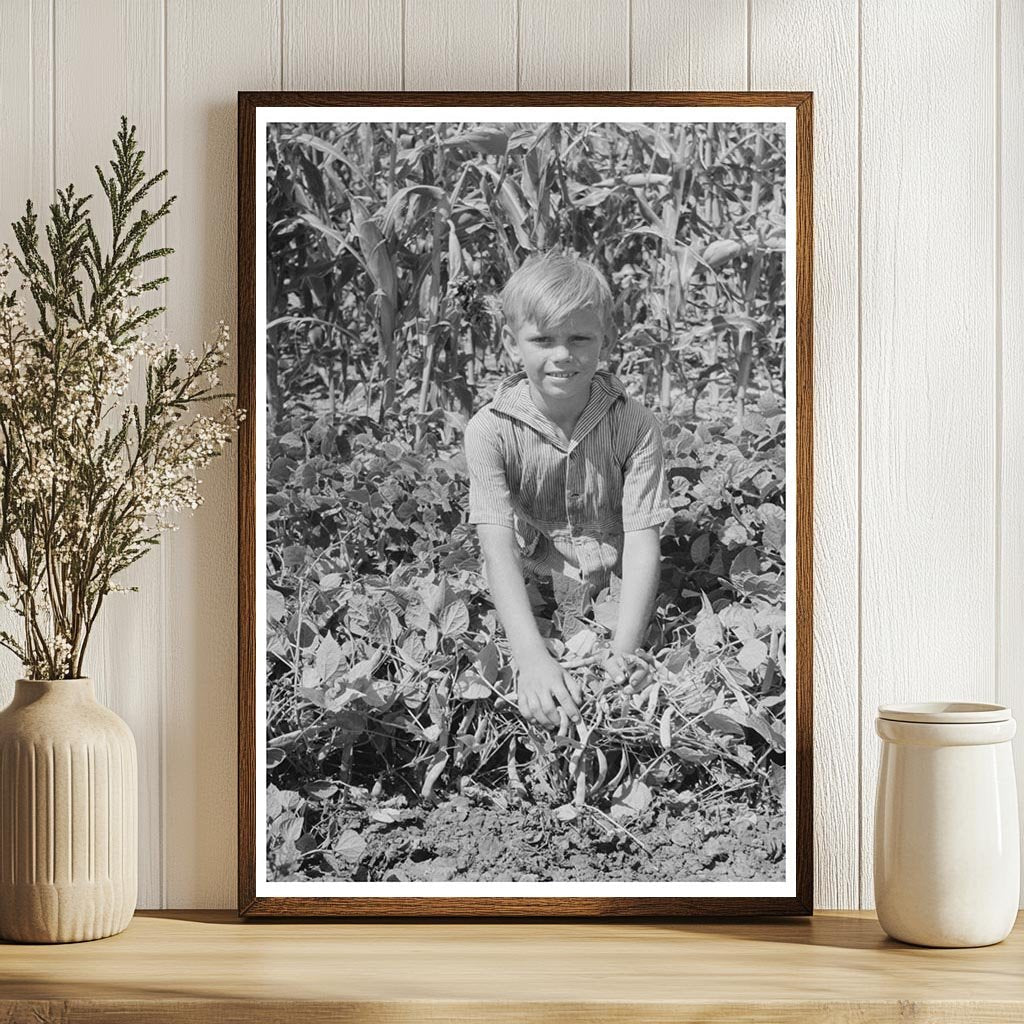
(525, 504)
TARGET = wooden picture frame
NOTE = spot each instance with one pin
(261, 896)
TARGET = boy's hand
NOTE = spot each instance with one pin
(544, 688)
(629, 669)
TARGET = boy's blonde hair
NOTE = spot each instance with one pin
(550, 286)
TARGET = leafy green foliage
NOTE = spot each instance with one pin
(387, 243)
(386, 660)
(387, 670)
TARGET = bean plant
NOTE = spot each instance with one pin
(388, 672)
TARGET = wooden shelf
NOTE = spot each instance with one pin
(196, 966)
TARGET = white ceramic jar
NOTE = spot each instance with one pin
(947, 846)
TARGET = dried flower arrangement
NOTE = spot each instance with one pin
(90, 478)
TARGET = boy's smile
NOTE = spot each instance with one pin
(560, 360)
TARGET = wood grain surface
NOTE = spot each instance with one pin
(208, 966)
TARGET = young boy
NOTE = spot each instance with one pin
(566, 480)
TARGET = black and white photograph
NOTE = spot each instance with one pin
(525, 502)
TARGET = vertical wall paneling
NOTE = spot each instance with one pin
(1011, 264)
(468, 45)
(935, 467)
(928, 408)
(124, 655)
(342, 44)
(213, 51)
(26, 114)
(26, 109)
(698, 45)
(574, 44)
(829, 69)
(16, 185)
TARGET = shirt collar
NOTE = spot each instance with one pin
(513, 399)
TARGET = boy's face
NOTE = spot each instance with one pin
(560, 359)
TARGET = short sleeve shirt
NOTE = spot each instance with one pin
(569, 502)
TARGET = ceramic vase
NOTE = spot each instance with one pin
(68, 815)
(947, 846)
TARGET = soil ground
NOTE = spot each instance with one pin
(488, 836)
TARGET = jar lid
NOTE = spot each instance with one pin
(944, 713)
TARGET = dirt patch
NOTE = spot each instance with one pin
(484, 836)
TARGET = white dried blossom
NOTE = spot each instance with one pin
(88, 483)
(96, 454)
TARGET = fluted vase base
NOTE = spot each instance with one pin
(68, 815)
(63, 913)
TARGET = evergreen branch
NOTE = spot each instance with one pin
(8, 641)
(80, 500)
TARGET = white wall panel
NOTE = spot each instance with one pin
(829, 69)
(26, 170)
(213, 51)
(1010, 374)
(466, 45)
(928, 408)
(122, 657)
(919, 429)
(574, 44)
(26, 108)
(699, 44)
(342, 44)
